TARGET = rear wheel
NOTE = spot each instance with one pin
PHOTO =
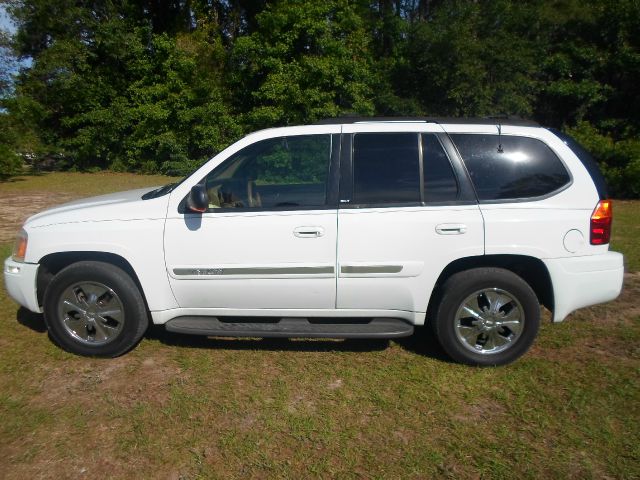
(95, 309)
(487, 316)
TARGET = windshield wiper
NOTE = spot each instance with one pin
(159, 192)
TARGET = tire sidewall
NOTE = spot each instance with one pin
(135, 313)
(459, 287)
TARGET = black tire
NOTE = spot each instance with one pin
(122, 300)
(477, 283)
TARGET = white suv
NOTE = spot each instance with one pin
(356, 228)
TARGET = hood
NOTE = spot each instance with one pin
(114, 206)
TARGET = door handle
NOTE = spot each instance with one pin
(451, 229)
(308, 232)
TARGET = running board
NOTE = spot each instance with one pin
(291, 327)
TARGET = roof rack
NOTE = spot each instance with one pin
(489, 120)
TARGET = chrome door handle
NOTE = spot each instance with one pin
(308, 232)
(451, 229)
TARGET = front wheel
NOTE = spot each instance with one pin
(95, 309)
(487, 316)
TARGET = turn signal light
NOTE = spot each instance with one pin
(601, 219)
(20, 248)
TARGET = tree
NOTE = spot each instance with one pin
(150, 85)
(114, 94)
(305, 61)
(473, 58)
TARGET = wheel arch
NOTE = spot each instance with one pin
(52, 263)
(531, 269)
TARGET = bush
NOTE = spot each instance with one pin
(619, 159)
(10, 163)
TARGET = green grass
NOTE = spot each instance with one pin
(190, 407)
(626, 232)
(81, 184)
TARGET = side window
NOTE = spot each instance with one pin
(386, 168)
(440, 183)
(278, 172)
(523, 168)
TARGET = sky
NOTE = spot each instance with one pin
(5, 21)
(7, 25)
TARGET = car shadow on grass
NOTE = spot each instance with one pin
(31, 320)
(422, 342)
(157, 332)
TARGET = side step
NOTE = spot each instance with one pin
(291, 327)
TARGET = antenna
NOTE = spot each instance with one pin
(500, 149)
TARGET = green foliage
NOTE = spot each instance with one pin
(619, 160)
(10, 163)
(305, 61)
(117, 95)
(136, 85)
(473, 59)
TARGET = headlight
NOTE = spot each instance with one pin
(20, 248)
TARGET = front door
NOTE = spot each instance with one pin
(268, 238)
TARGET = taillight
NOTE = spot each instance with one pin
(601, 222)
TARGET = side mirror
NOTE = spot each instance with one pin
(198, 199)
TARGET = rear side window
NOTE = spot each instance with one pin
(386, 168)
(510, 167)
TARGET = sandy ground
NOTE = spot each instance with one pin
(16, 208)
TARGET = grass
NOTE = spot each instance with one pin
(81, 184)
(626, 232)
(190, 407)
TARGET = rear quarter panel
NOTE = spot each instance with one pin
(537, 227)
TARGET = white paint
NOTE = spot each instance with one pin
(584, 281)
(155, 239)
(574, 241)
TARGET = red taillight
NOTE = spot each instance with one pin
(601, 222)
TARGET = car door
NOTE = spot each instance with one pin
(268, 238)
(406, 211)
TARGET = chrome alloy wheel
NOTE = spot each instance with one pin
(489, 321)
(91, 312)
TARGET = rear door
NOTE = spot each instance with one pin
(406, 211)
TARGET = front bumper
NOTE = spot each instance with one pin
(20, 282)
(584, 281)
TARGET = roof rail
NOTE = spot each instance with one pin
(489, 120)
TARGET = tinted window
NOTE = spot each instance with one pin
(440, 183)
(278, 172)
(525, 167)
(386, 168)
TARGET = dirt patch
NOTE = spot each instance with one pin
(105, 401)
(126, 378)
(15, 208)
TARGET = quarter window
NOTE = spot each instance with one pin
(386, 168)
(510, 167)
(275, 173)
